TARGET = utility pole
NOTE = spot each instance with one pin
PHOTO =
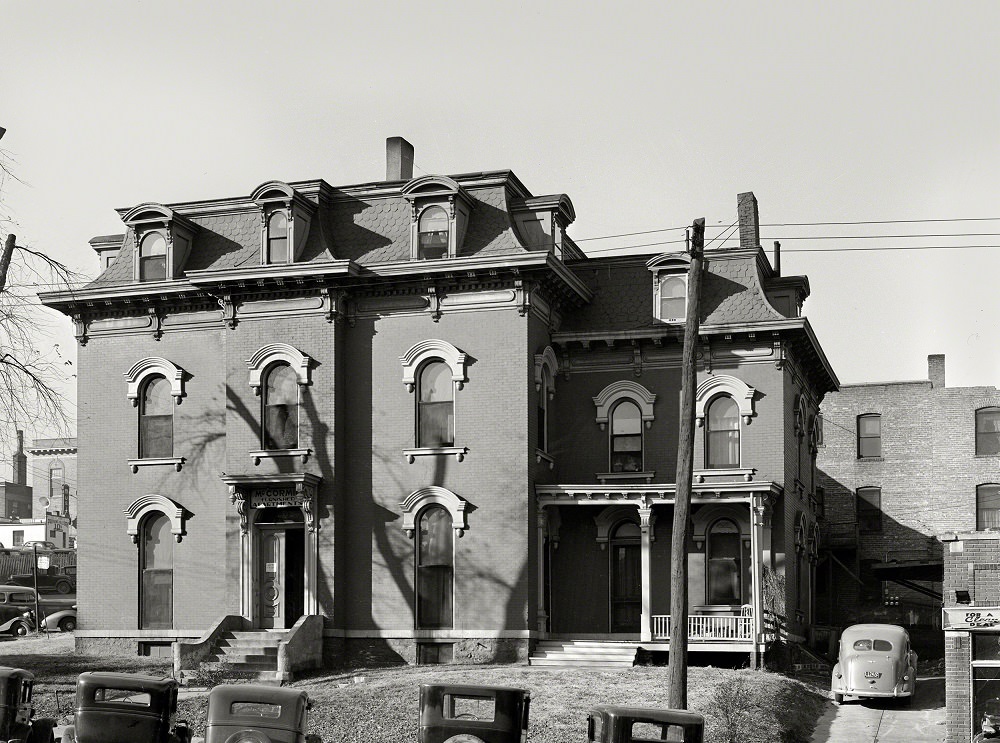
(685, 463)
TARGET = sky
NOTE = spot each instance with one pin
(647, 115)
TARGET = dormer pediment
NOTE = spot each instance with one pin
(669, 262)
(439, 216)
(163, 239)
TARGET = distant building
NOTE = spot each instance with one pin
(414, 413)
(53, 467)
(15, 497)
(52, 528)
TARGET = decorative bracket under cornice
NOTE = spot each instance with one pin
(80, 329)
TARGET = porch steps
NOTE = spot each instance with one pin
(247, 655)
(595, 654)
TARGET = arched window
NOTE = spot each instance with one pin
(543, 410)
(277, 238)
(673, 297)
(153, 257)
(433, 233)
(435, 405)
(725, 563)
(435, 568)
(988, 431)
(281, 408)
(722, 434)
(156, 574)
(156, 420)
(626, 437)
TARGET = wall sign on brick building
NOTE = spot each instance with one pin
(969, 617)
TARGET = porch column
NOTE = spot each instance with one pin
(645, 526)
(542, 525)
(309, 498)
(759, 545)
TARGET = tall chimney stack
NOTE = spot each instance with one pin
(746, 210)
(935, 370)
(20, 462)
(398, 159)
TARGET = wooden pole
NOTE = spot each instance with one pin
(685, 463)
(5, 256)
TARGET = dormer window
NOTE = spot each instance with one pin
(439, 216)
(163, 241)
(285, 216)
(669, 286)
(277, 238)
(153, 257)
(673, 297)
(432, 233)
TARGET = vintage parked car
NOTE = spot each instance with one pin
(254, 713)
(473, 714)
(15, 620)
(607, 724)
(875, 660)
(40, 544)
(59, 613)
(16, 710)
(125, 708)
(58, 579)
(56, 619)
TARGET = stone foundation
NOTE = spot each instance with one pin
(361, 652)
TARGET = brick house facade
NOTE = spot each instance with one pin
(416, 409)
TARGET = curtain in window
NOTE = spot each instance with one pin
(153, 258)
(626, 438)
(156, 424)
(987, 507)
(722, 436)
(157, 574)
(433, 233)
(988, 431)
(673, 298)
(434, 569)
(435, 406)
(724, 568)
(281, 408)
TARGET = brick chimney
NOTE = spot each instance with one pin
(398, 159)
(935, 370)
(746, 210)
(20, 462)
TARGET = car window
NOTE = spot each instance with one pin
(862, 644)
(20, 598)
(881, 646)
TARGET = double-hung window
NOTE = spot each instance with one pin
(722, 434)
(156, 420)
(626, 437)
(281, 408)
(988, 508)
(988, 431)
(435, 406)
(869, 435)
(869, 506)
(153, 257)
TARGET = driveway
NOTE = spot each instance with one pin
(887, 720)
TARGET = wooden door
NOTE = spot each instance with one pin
(271, 579)
(626, 587)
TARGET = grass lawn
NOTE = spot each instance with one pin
(380, 705)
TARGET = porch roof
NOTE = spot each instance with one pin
(647, 494)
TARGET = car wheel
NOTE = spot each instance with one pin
(20, 629)
(64, 586)
(838, 698)
(67, 624)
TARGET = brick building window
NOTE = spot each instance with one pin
(280, 408)
(156, 420)
(435, 568)
(869, 435)
(722, 434)
(626, 437)
(870, 509)
(988, 508)
(988, 431)
(435, 406)
(156, 574)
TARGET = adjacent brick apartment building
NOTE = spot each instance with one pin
(416, 409)
(53, 468)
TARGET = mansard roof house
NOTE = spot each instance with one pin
(411, 420)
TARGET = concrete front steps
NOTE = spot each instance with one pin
(595, 654)
(251, 654)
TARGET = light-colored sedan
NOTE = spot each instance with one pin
(875, 660)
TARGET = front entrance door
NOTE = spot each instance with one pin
(280, 571)
(626, 580)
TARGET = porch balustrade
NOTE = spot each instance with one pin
(707, 627)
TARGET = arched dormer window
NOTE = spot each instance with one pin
(439, 216)
(670, 272)
(280, 408)
(722, 434)
(153, 257)
(432, 233)
(277, 237)
(163, 241)
(285, 219)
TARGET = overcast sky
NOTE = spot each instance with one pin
(646, 114)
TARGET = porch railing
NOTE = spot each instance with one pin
(707, 627)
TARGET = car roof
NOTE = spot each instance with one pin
(874, 630)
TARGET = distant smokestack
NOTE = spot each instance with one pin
(746, 210)
(20, 462)
(777, 258)
(935, 370)
(398, 159)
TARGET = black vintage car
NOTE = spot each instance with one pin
(58, 579)
(473, 714)
(608, 724)
(125, 708)
(16, 710)
(254, 713)
(15, 620)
